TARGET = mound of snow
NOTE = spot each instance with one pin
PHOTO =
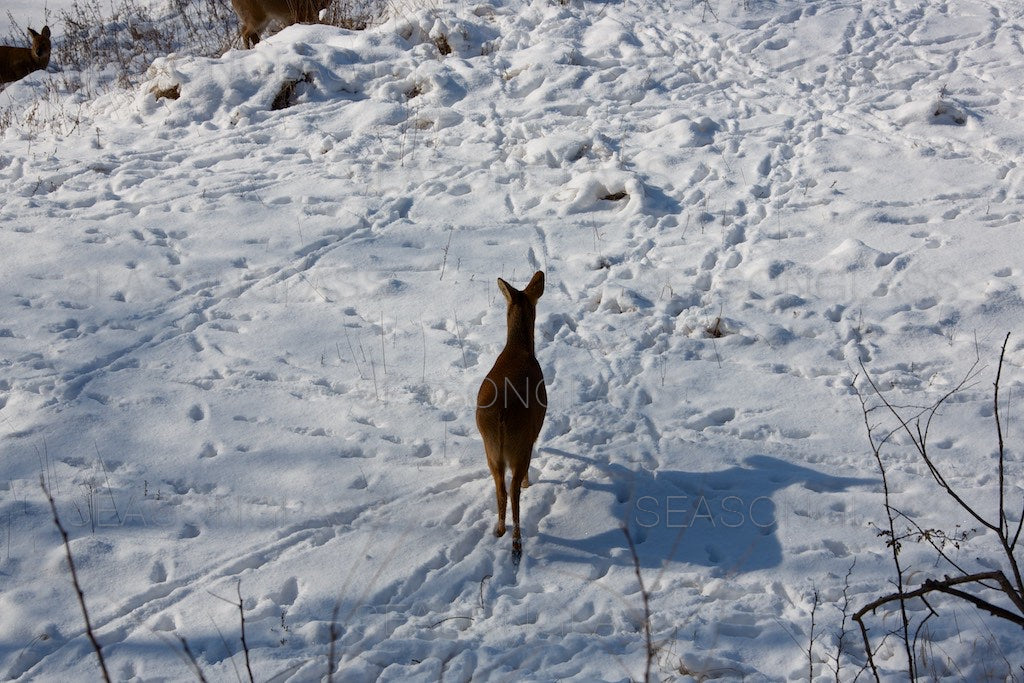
(941, 111)
(306, 64)
(852, 254)
(601, 190)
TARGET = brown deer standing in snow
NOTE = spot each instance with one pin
(511, 403)
(18, 62)
(256, 14)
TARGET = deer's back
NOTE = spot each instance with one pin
(512, 400)
(285, 11)
(18, 62)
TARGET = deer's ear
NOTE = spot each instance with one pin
(46, 32)
(535, 289)
(506, 289)
(32, 34)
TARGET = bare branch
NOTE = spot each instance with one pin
(646, 597)
(889, 510)
(919, 442)
(947, 586)
(917, 426)
(334, 639)
(74, 579)
(1002, 451)
(191, 658)
(245, 645)
(811, 636)
(927, 536)
(867, 645)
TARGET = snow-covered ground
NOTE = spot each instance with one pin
(243, 345)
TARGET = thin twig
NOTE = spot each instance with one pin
(423, 335)
(438, 623)
(904, 618)
(383, 352)
(191, 658)
(74, 580)
(106, 478)
(810, 637)
(646, 597)
(373, 374)
(846, 615)
(919, 438)
(224, 641)
(925, 535)
(334, 639)
(444, 261)
(485, 578)
(1003, 525)
(352, 352)
(245, 645)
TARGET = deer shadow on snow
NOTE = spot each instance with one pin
(727, 519)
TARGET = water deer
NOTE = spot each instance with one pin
(256, 14)
(18, 62)
(511, 404)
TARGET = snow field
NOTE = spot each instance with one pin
(244, 344)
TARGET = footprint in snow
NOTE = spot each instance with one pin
(188, 531)
(158, 573)
(288, 594)
(714, 418)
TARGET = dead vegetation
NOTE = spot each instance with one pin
(108, 45)
(286, 95)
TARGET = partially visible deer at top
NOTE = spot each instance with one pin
(18, 62)
(511, 404)
(256, 14)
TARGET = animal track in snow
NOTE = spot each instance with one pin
(713, 418)
(188, 530)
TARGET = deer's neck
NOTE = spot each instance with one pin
(520, 333)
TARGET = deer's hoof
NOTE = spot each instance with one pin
(499, 530)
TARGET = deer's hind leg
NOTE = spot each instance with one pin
(520, 469)
(498, 473)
